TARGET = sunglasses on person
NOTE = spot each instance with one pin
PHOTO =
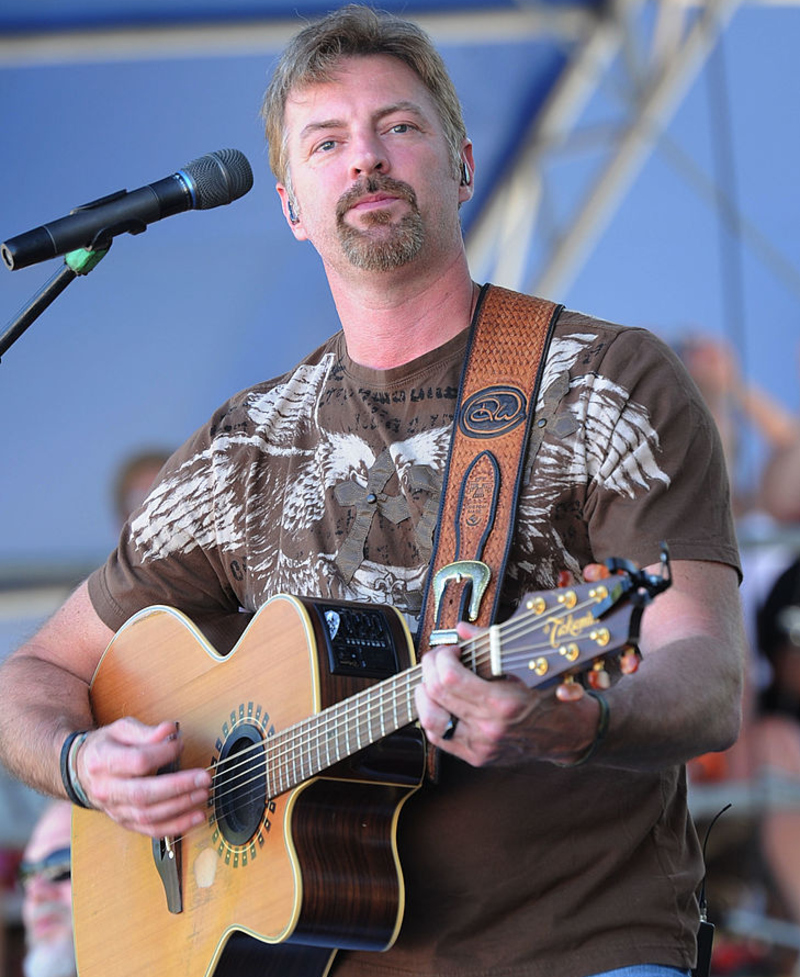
(55, 867)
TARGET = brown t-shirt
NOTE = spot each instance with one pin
(533, 871)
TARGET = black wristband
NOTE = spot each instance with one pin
(66, 778)
(600, 733)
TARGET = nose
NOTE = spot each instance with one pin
(40, 889)
(369, 156)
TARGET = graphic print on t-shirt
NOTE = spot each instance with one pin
(323, 484)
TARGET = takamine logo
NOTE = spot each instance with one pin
(556, 629)
(492, 411)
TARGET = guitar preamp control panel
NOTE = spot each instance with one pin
(358, 640)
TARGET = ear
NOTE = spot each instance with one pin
(294, 220)
(466, 186)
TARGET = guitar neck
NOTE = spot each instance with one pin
(552, 633)
(307, 748)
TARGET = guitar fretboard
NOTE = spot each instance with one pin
(306, 749)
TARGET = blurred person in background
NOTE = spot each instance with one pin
(776, 736)
(134, 479)
(759, 499)
(780, 481)
(47, 896)
(735, 403)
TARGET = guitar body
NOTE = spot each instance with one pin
(270, 880)
(308, 729)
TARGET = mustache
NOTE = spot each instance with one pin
(43, 910)
(375, 184)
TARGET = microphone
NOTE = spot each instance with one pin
(206, 182)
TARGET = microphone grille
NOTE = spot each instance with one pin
(219, 178)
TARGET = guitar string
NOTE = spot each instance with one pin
(281, 750)
(345, 710)
(313, 733)
(303, 733)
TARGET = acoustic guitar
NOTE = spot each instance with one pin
(308, 727)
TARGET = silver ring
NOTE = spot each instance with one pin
(450, 728)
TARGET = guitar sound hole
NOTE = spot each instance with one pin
(240, 785)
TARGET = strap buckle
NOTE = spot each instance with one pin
(478, 575)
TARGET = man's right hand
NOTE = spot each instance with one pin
(118, 766)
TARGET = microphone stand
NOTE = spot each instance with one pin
(79, 262)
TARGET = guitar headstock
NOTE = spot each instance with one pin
(580, 630)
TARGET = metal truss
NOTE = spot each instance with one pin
(633, 58)
(637, 60)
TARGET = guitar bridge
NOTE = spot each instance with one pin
(167, 856)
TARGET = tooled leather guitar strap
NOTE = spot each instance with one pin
(497, 397)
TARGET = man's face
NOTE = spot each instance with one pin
(375, 185)
(47, 897)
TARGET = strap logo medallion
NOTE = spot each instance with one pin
(493, 411)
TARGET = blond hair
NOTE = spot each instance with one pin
(352, 31)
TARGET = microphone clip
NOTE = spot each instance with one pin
(103, 238)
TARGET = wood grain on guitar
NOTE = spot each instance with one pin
(309, 728)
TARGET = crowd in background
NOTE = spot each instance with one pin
(754, 848)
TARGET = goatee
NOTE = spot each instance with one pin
(399, 245)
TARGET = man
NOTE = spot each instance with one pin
(47, 895)
(326, 481)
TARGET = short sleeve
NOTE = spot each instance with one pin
(656, 469)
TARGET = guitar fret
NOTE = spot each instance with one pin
(297, 757)
(334, 751)
(274, 777)
(305, 756)
(342, 744)
(375, 723)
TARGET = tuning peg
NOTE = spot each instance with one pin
(569, 690)
(598, 678)
(629, 661)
